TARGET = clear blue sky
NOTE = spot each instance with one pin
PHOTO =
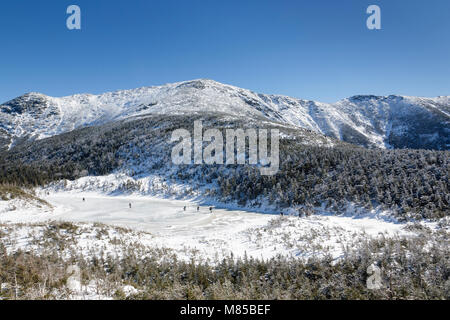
(317, 49)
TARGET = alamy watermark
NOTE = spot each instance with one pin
(73, 22)
(373, 22)
(235, 147)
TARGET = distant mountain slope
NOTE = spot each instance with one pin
(370, 121)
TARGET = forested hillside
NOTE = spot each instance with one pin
(314, 170)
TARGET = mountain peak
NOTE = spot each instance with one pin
(29, 102)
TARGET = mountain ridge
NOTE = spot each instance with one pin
(392, 121)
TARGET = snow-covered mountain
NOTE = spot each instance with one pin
(372, 121)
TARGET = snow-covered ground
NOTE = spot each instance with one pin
(163, 223)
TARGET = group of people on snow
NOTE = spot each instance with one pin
(301, 212)
(198, 208)
(184, 208)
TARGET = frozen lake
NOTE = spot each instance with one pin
(217, 234)
(157, 216)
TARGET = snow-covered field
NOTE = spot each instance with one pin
(163, 223)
